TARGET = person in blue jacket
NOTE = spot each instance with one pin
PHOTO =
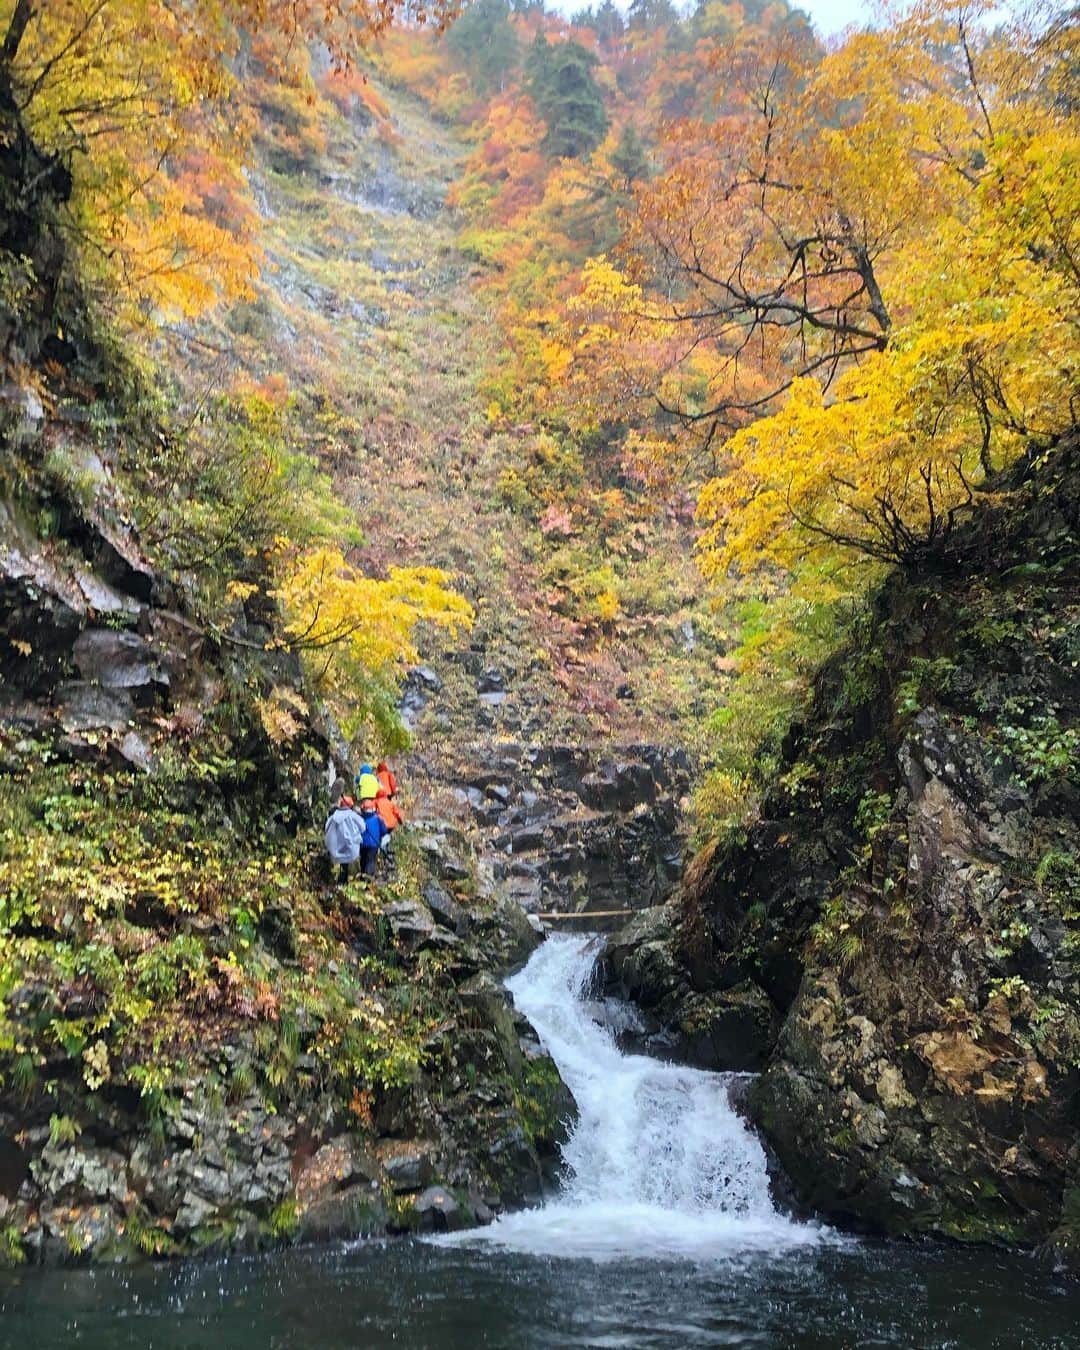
(374, 832)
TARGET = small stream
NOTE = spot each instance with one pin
(664, 1235)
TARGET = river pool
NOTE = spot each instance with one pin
(665, 1234)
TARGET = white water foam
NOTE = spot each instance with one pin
(659, 1165)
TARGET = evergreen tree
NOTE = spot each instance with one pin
(484, 41)
(559, 79)
(630, 158)
(609, 24)
(648, 15)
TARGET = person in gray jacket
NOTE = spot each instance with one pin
(344, 835)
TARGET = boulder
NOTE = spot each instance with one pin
(407, 1164)
(355, 1212)
(619, 786)
(444, 909)
(89, 707)
(331, 1168)
(491, 681)
(438, 1211)
(409, 922)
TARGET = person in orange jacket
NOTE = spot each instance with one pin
(387, 808)
(391, 815)
(385, 774)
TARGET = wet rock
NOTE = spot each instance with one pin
(891, 900)
(439, 1212)
(195, 1211)
(116, 660)
(136, 750)
(89, 707)
(508, 937)
(407, 1165)
(330, 1169)
(356, 1212)
(619, 786)
(81, 1174)
(90, 1233)
(729, 1029)
(488, 1002)
(447, 862)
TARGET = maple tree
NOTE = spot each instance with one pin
(356, 632)
(829, 291)
(854, 286)
(975, 357)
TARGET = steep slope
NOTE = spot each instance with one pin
(897, 931)
(203, 1044)
(539, 740)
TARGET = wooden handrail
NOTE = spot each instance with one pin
(588, 914)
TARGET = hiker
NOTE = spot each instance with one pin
(391, 817)
(367, 785)
(374, 831)
(344, 835)
(385, 774)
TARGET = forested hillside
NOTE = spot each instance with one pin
(548, 403)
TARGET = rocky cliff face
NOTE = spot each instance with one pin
(895, 938)
(152, 1100)
(203, 1043)
(148, 1103)
(567, 828)
(235, 1161)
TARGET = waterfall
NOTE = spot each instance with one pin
(658, 1164)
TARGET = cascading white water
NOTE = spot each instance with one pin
(658, 1164)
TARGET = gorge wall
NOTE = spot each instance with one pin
(894, 937)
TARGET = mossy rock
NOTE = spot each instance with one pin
(546, 1105)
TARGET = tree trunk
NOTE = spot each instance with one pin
(24, 10)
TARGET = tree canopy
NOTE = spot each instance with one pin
(560, 81)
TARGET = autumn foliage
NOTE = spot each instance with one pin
(827, 290)
(146, 101)
(853, 285)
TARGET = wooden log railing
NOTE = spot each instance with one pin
(587, 914)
